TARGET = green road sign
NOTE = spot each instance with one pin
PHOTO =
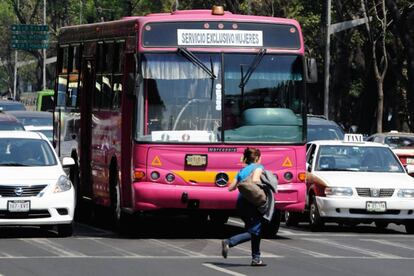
(29, 36)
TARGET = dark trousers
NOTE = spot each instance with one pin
(244, 237)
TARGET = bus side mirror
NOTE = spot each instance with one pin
(311, 71)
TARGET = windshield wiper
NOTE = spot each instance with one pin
(252, 68)
(196, 61)
(11, 164)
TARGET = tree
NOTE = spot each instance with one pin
(377, 35)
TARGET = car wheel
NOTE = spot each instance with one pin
(315, 220)
(409, 227)
(270, 229)
(381, 224)
(65, 230)
(291, 218)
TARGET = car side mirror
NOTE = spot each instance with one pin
(311, 71)
(67, 162)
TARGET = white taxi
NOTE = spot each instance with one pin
(34, 189)
(353, 182)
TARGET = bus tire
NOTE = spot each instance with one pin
(218, 219)
(270, 229)
(291, 218)
(119, 219)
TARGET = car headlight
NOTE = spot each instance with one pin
(63, 184)
(406, 193)
(338, 191)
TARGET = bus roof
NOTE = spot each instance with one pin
(129, 26)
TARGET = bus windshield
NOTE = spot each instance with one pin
(257, 98)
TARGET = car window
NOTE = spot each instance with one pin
(25, 152)
(399, 141)
(13, 106)
(357, 158)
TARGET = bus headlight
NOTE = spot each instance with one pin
(338, 191)
(63, 184)
(406, 193)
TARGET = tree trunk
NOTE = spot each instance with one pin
(380, 104)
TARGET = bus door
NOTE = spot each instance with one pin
(88, 72)
(128, 103)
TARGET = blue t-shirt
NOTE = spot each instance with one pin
(246, 171)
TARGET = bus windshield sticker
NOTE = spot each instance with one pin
(187, 37)
(218, 96)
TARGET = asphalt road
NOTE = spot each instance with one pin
(179, 247)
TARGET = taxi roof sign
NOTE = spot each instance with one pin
(356, 138)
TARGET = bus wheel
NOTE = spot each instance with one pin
(218, 219)
(118, 218)
(270, 229)
(315, 220)
(291, 218)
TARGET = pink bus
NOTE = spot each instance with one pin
(161, 107)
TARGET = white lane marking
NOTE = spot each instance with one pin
(53, 248)
(242, 248)
(177, 248)
(302, 250)
(123, 252)
(377, 254)
(227, 271)
(214, 257)
(236, 222)
(390, 243)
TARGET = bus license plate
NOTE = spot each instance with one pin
(376, 206)
(18, 206)
(196, 160)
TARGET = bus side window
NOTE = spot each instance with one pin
(118, 54)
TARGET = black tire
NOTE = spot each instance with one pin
(315, 220)
(119, 219)
(65, 230)
(271, 228)
(381, 224)
(218, 219)
(291, 218)
(409, 227)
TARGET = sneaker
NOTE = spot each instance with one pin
(257, 263)
(224, 248)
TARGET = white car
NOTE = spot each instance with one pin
(34, 189)
(355, 182)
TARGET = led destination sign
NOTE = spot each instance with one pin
(220, 34)
(219, 38)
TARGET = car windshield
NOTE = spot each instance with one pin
(324, 132)
(35, 121)
(17, 152)
(400, 141)
(357, 158)
(13, 106)
(215, 98)
(10, 126)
